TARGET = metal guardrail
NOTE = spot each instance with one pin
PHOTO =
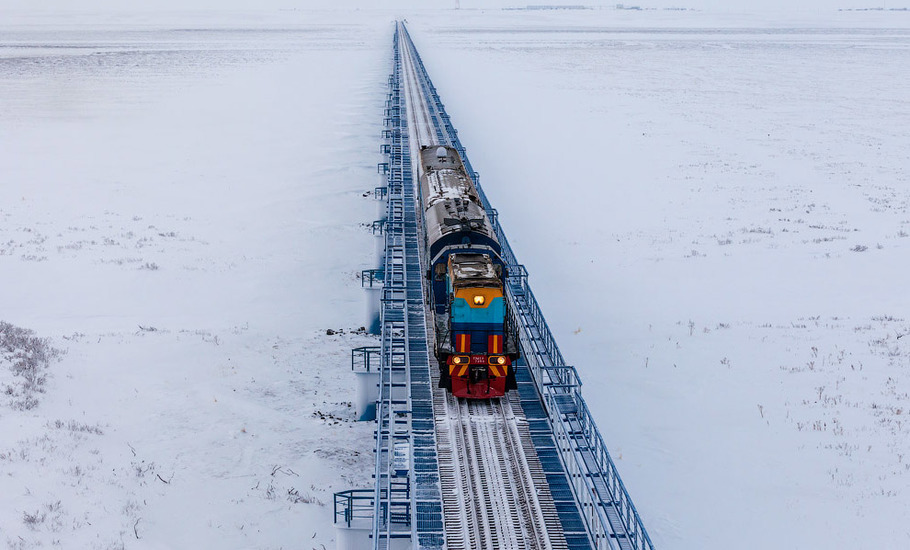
(371, 277)
(352, 505)
(610, 517)
(407, 501)
(365, 357)
(392, 318)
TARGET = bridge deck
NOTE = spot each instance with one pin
(593, 508)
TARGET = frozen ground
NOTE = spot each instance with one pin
(716, 218)
(181, 213)
(714, 211)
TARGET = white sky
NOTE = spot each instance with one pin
(222, 5)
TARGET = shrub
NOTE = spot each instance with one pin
(26, 358)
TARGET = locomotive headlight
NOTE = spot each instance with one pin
(461, 360)
(497, 360)
(479, 300)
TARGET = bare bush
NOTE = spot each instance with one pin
(295, 497)
(27, 359)
(39, 518)
(76, 427)
(34, 520)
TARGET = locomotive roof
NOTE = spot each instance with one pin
(453, 213)
(473, 268)
(446, 176)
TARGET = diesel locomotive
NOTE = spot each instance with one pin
(476, 345)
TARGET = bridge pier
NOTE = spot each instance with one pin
(366, 392)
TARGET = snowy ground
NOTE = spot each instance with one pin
(715, 217)
(181, 213)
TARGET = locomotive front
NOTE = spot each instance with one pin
(478, 365)
(474, 347)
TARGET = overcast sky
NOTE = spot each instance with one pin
(712, 5)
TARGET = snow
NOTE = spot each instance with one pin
(183, 213)
(713, 208)
(716, 226)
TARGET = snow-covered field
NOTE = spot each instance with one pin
(715, 211)
(181, 213)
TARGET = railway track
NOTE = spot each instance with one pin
(495, 494)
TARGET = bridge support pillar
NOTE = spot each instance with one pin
(354, 537)
(374, 299)
(366, 394)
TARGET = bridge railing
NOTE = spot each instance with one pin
(383, 528)
(407, 503)
(611, 519)
(354, 505)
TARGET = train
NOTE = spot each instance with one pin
(476, 344)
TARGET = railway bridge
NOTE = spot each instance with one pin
(526, 471)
